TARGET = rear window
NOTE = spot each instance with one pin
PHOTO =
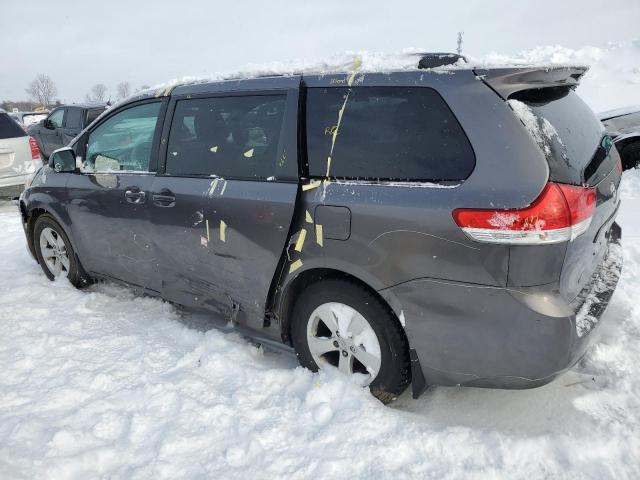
(385, 133)
(9, 128)
(92, 115)
(568, 133)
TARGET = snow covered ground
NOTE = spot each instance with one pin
(102, 384)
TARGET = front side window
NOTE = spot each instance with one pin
(228, 137)
(385, 133)
(124, 141)
(74, 118)
(56, 118)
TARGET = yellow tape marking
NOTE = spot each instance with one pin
(295, 266)
(311, 185)
(357, 63)
(224, 187)
(300, 242)
(214, 149)
(308, 217)
(249, 153)
(207, 223)
(319, 234)
(223, 231)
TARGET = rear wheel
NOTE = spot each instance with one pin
(55, 253)
(339, 324)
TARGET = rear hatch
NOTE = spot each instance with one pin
(578, 153)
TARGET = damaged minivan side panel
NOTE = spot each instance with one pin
(225, 194)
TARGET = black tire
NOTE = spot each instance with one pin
(394, 375)
(76, 274)
(630, 156)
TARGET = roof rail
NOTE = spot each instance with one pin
(441, 59)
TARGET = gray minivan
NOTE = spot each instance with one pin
(428, 227)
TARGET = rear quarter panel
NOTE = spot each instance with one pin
(400, 232)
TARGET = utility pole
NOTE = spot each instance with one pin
(459, 49)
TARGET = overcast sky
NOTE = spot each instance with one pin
(81, 43)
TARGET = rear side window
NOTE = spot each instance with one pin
(385, 133)
(73, 118)
(228, 137)
(567, 132)
(92, 115)
(9, 128)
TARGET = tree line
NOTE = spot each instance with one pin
(42, 92)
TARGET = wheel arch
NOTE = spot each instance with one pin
(29, 217)
(284, 302)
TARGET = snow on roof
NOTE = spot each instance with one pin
(370, 62)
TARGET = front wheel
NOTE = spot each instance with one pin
(340, 324)
(55, 253)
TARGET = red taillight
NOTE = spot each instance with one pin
(560, 213)
(35, 151)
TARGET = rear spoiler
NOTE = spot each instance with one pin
(506, 81)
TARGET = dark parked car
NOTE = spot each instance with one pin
(62, 125)
(406, 227)
(623, 126)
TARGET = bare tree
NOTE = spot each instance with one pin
(98, 92)
(42, 89)
(123, 90)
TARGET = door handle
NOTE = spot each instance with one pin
(164, 198)
(133, 195)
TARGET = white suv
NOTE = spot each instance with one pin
(19, 156)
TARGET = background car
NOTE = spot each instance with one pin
(63, 124)
(19, 156)
(623, 126)
(26, 119)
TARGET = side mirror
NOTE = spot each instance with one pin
(63, 160)
(48, 124)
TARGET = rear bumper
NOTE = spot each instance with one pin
(481, 336)
(12, 186)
